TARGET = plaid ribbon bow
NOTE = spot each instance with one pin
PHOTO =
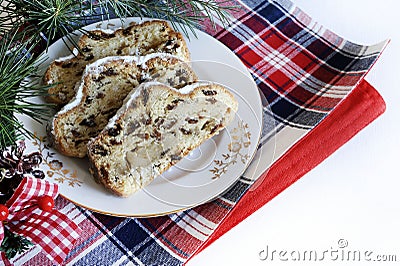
(52, 230)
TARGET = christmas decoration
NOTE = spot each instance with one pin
(29, 212)
(14, 165)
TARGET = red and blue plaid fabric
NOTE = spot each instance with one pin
(303, 70)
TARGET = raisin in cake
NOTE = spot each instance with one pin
(137, 39)
(154, 129)
(167, 69)
(104, 86)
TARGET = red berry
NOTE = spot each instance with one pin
(3, 212)
(46, 203)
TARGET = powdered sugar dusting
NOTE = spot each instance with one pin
(75, 52)
(128, 100)
(72, 104)
(189, 88)
(98, 66)
(142, 60)
(108, 31)
(75, 101)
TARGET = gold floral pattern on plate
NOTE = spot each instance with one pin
(240, 136)
(56, 170)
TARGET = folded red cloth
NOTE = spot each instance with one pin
(362, 106)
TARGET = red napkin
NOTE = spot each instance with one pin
(362, 106)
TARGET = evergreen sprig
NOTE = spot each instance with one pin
(18, 85)
(47, 19)
(14, 244)
(184, 15)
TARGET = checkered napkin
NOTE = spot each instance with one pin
(304, 71)
(49, 229)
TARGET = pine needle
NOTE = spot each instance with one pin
(18, 86)
(13, 244)
(184, 15)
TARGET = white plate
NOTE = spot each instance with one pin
(201, 176)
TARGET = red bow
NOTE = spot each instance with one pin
(30, 214)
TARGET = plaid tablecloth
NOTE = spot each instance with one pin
(304, 72)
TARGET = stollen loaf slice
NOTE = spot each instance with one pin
(138, 39)
(155, 128)
(101, 93)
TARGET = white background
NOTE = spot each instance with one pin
(354, 194)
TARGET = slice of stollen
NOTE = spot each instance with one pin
(138, 39)
(101, 92)
(155, 128)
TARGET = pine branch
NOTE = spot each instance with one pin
(13, 244)
(47, 19)
(184, 15)
(18, 85)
